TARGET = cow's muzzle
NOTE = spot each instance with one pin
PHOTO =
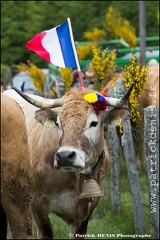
(69, 160)
(65, 158)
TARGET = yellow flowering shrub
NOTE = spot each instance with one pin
(103, 65)
(83, 51)
(66, 76)
(95, 35)
(35, 73)
(118, 28)
(134, 72)
(115, 27)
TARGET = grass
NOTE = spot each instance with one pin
(106, 223)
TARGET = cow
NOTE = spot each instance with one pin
(150, 94)
(68, 154)
(16, 184)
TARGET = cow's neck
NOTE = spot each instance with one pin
(96, 167)
(89, 184)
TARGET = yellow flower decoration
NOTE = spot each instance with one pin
(91, 97)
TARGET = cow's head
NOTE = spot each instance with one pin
(80, 127)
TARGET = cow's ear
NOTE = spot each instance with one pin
(115, 116)
(47, 117)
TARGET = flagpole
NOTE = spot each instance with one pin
(75, 53)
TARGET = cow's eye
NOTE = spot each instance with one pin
(93, 124)
(57, 125)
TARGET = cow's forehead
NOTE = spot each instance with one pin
(75, 111)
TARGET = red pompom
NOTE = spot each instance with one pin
(99, 105)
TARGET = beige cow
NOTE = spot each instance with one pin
(69, 157)
(16, 183)
(150, 94)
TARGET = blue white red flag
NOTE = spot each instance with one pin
(55, 46)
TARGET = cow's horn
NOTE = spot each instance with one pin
(40, 103)
(114, 102)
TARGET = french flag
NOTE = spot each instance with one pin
(55, 46)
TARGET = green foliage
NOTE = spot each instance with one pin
(130, 11)
(5, 74)
(21, 20)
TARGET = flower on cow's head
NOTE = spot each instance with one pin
(98, 101)
(99, 105)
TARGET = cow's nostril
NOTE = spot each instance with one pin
(72, 155)
(65, 158)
